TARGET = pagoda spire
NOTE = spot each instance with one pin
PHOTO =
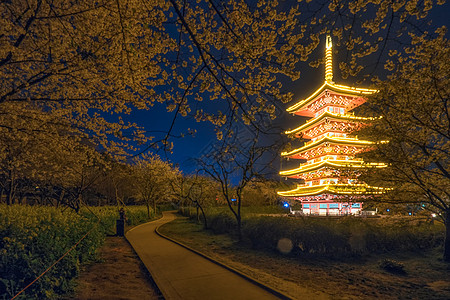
(328, 60)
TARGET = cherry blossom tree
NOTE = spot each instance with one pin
(38, 148)
(89, 59)
(414, 106)
(198, 190)
(153, 180)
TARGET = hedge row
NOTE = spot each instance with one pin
(330, 236)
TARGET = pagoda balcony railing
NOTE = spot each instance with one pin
(335, 137)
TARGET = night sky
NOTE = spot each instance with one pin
(186, 149)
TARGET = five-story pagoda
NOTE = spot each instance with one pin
(329, 177)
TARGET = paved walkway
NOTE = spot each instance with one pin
(182, 274)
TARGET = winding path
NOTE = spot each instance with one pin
(182, 274)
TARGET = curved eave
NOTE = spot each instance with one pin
(324, 115)
(343, 89)
(336, 189)
(357, 164)
(335, 140)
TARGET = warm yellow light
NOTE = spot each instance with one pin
(337, 87)
(308, 145)
(299, 104)
(313, 121)
(329, 60)
(332, 163)
(340, 188)
(345, 88)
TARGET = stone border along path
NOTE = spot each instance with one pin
(182, 273)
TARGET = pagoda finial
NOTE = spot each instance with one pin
(328, 60)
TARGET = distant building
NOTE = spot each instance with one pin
(328, 180)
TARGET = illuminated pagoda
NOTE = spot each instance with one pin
(329, 177)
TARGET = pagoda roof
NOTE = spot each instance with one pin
(326, 114)
(341, 89)
(334, 188)
(303, 168)
(334, 140)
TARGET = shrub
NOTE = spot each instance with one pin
(328, 236)
(392, 266)
(221, 223)
(307, 237)
(34, 237)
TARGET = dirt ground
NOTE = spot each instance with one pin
(427, 276)
(119, 275)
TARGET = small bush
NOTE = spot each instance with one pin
(392, 266)
(222, 223)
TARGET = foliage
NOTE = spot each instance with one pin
(413, 106)
(260, 192)
(33, 153)
(115, 185)
(153, 180)
(415, 120)
(90, 63)
(34, 237)
(392, 266)
(331, 236)
(198, 191)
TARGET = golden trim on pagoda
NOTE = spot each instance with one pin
(328, 139)
(303, 168)
(324, 116)
(342, 89)
(341, 189)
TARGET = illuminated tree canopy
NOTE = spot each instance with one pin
(414, 106)
(87, 59)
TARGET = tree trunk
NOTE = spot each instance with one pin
(148, 208)
(78, 203)
(61, 198)
(447, 236)
(205, 224)
(239, 226)
(198, 216)
(238, 217)
(10, 195)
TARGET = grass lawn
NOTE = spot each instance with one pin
(427, 277)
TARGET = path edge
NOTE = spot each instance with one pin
(271, 290)
(154, 279)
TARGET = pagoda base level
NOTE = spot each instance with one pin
(332, 209)
(333, 206)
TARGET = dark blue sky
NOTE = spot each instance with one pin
(186, 149)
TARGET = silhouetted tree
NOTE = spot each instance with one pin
(234, 163)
